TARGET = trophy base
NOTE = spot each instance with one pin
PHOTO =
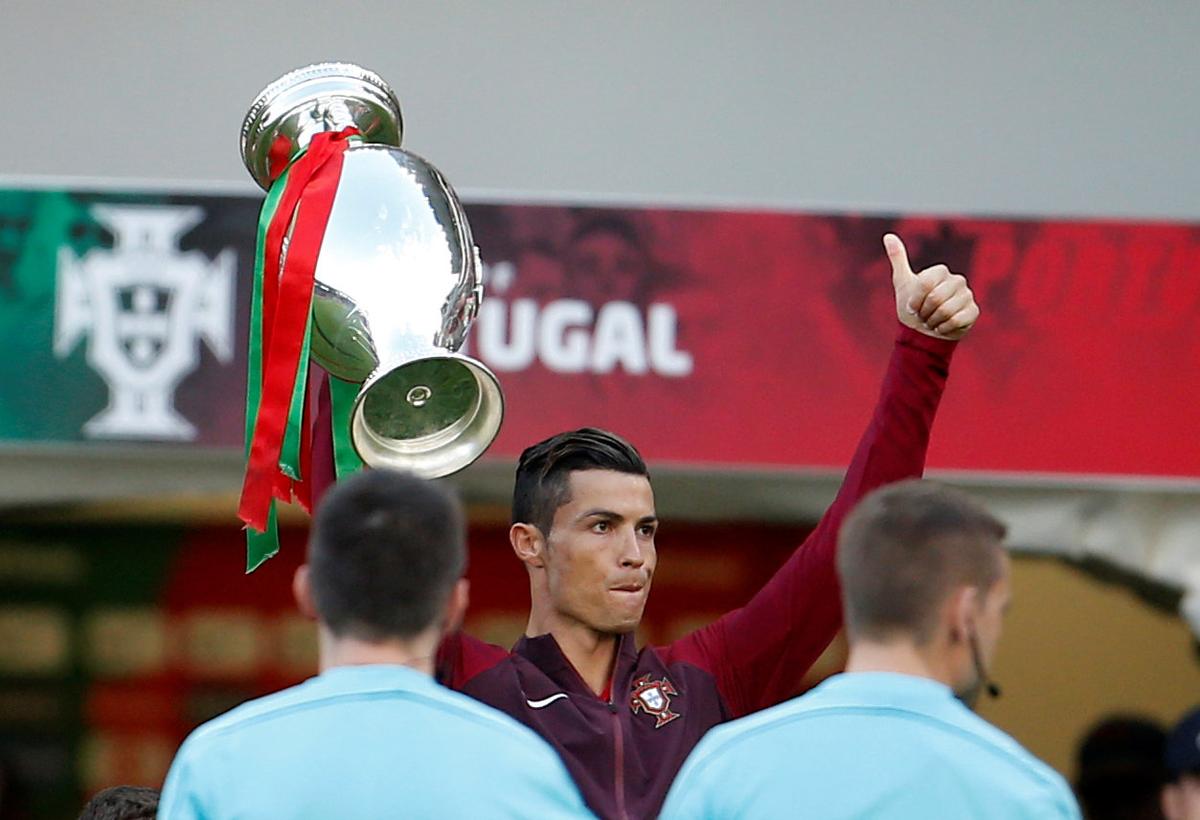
(432, 417)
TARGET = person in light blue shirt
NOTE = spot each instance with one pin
(373, 735)
(925, 584)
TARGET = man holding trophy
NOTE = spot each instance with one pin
(623, 719)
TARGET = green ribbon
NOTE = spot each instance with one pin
(341, 404)
(260, 545)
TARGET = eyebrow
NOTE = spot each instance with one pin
(615, 516)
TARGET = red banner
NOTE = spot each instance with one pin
(748, 338)
(707, 337)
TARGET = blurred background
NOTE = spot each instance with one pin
(711, 182)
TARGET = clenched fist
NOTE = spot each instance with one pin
(935, 301)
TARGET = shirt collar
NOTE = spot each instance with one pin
(373, 677)
(544, 652)
(891, 688)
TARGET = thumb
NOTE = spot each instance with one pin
(898, 256)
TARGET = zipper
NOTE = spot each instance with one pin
(618, 740)
(619, 754)
(618, 737)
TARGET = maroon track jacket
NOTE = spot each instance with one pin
(625, 751)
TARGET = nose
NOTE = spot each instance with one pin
(632, 556)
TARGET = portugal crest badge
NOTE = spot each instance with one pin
(146, 305)
(654, 698)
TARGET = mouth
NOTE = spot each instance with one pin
(631, 588)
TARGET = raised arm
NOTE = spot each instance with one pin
(759, 653)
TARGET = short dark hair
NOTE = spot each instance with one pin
(541, 486)
(122, 803)
(385, 551)
(1121, 768)
(905, 548)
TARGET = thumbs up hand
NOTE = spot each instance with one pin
(935, 301)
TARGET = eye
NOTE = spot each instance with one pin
(647, 530)
(601, 526)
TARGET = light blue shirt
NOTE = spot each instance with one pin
(375, 741)
(868, 744)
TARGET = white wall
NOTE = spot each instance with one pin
(1087, 108)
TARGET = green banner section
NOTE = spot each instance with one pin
(58, 391)
(122, 316)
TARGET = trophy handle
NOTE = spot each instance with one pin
(307, 101)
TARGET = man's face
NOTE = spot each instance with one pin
(600, 555)
(1181, 799)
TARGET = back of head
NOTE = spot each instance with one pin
(122, 803)
(1121, 769)
(1183, 747)
(542, 474)
(385, 551)
(904, 549)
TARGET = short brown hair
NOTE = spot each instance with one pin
(905, 548)
(385, 551)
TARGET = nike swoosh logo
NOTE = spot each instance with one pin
(542, 704)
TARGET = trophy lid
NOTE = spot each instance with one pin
(321, 97)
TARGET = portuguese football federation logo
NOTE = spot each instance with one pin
(654, 698)
(145, 305)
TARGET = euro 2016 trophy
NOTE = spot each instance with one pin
(366, 265)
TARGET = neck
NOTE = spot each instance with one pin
(592, 653)
(417, 653)
(901, 656)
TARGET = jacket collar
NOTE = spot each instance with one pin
(544, 652)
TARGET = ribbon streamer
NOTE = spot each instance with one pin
(279, 435)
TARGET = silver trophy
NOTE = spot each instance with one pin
(398, 279)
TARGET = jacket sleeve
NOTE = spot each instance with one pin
(758, 654)
(461, 657)
(324, 471)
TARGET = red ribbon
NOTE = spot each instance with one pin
(307, 199)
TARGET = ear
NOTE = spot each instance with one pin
(963, 608)
(302, 592)
(456, 605)
(529, 544)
